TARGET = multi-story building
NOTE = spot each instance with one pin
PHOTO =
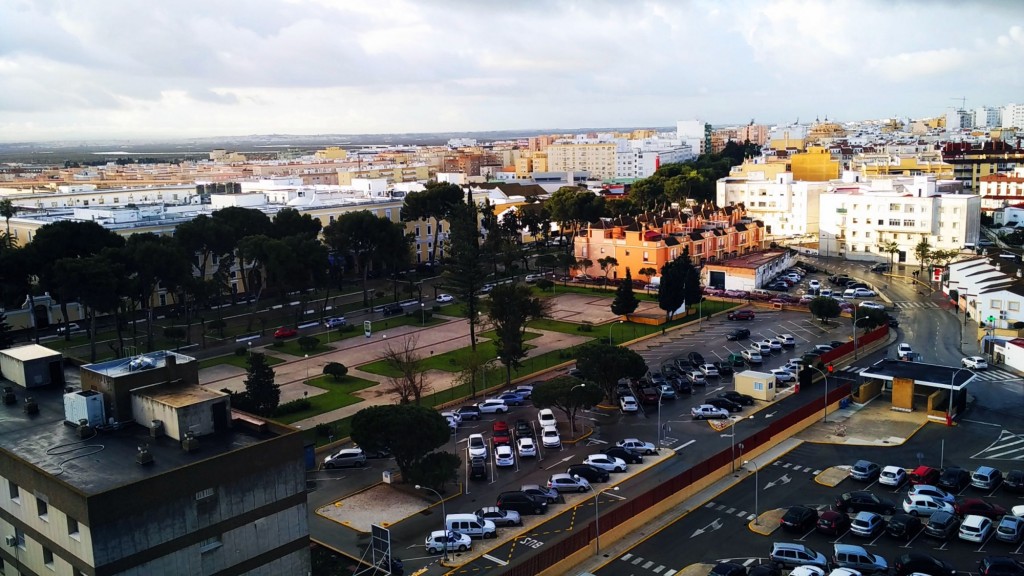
(652, 240)
(786, 207)
(885, 163)
(1013, 116)
(815, 164)
(1001, 189)
(143, 471)
(642, 158)
(598, 158)
(971, 162)
(857, 217)
(988, 117)
(696, 134)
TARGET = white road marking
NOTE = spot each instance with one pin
(677, 449)
(495, 560)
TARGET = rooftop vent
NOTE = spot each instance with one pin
(9, 397)
(190, 443)
(83, 429)
(143, 457)
(30, 407)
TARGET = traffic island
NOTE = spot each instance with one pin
(767, 522)
(695, 570)
(832, 476)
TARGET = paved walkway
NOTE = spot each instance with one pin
(292, 374)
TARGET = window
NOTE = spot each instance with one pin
(210, 544)
(43, 508)
(759, 386)
(19, 538)
(894, 222)
(14, 492)
(997, 304)
(1013, 306)
(73, 528)
(909, 223)
(48, 557)
(894, 207)
(646, 257)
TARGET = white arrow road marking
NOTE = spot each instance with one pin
(770, 414)
(710, 527)
(785, 479)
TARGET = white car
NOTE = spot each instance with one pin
(814, 285)
(531, 278)
(1018, 511)
(974, 362)
(477, 446)
(628, 404)
(825, 293)
(637, 446)
(546, 417)
(764, 348)
(453, 415)
(788, 340)
(709, 370)
(503, 455)
(807, 570)
(975, 528)
(892, 476)
(904, 349)
(550, 437)
(783, 375)
(71, 327)
(795, 365)
(872, 305)
(492, 406)
(932, 492)
(752, 356)
(526, 447)
(445, 298)
(440, 540)
(917, 505)
(707, 411)
(862, 293)
(605, 462)
(773, 345)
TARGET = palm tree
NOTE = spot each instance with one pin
(890, 247)
(8, 210)
(923, 250)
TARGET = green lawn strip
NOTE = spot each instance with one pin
(338, 395)
(451, 361)
(555, 326)
(234, 360)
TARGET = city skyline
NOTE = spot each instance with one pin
(89, 69)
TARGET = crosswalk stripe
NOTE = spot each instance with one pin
(638, 560)
(658, 569)
(999, 448)
(670, 573)
(626, 556)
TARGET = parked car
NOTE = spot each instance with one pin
(500, 517)
(605, 462)
(724, 404)
(545, 417)
(923, 475)
(799, 519)
(550, 437)
(1010, 529)
(942, 525)
(709, 370)
(628, 404)
(526, 447)
(832, 523)
(867, 524)
(696, 378)
(788, 555)
(285, 332)
(740, 315)
(783, 375)
(625, 454)
(724, 368)
(568, 483)
(74, 327)
(523, 429)
(932, 492)
(549, 494)
(1014, 481)
(752, 356)
(920, 563)
(588, 472)
(492, 406)
(445, 299)
(477, 446)
(917, 505)
(858, 560)
(440, 540)
(707, 411)
(345, 458)
(974, 363)
(734, 396)
(740, 334)
(468, 412)
(695, 359)
(954, 479)
(904, 349)
(510, 398)
(1000, 566)
(903, 526)
(638, 446)
(975, 528)
(892, 476)
(862, 500)
(986, 478)
(979, 507)
(521, 502)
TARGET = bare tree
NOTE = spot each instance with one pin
(411, 384)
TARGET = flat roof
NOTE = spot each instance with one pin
(147, 361)
(751, 260)
(177, 395)
(30, 352)
(107, 460)
(932, 375)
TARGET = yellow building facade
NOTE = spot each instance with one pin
(599, 159)
(815, 165)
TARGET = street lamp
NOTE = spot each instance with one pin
(423, 314)
(597, 516)
(757, 488)
(732, 439)
(307, 366)
(824, 418)
(444, 523)
(661, 391)
(610, 332)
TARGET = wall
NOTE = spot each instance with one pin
(903, 394)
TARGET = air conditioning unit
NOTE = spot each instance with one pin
(10, 541)
(1002, 314)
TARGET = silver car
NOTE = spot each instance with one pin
(568, 483)
(1010, 529)
(545, 492)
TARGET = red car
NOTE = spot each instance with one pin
(924, 475)
(833, 523)
(740, 315)
(499, 430)
(285, 332)
(979, 507)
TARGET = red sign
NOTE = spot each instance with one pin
(936, 274)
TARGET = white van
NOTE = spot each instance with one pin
(761, 292)
(470, 525)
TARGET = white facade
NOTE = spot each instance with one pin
(988, 117)
(857, 218)
(1002, 189)
(1009, 216)
(641, 158)
(695, 133)
(787, 208)
(1013, 116)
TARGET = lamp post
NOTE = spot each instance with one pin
(824, 418)
(757, 488)
(732, 439)
(423, 314)
(610, 332)
(307, 366)
(597, 516)
(855, 332)
(444, 525)
(661, 392)
(572, 421)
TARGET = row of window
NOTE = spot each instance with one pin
(42, 508)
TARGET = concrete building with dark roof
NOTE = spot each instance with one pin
(142, 471)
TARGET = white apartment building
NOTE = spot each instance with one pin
(1013, 116)
(786, 207)
(695, 133)
(857, 217)
(993, 295)
(988, 117)
(598, 158)
(1001, 189)
(642, 158)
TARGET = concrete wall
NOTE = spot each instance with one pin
(903, 394)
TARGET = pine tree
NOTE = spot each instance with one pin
(6, 338)
(625, 301)
(260, 388)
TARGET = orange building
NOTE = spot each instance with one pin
(652, 240)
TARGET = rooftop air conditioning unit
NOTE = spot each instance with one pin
(143, 457)
(190, 443)
(83, 429)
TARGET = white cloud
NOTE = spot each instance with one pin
(93, 68)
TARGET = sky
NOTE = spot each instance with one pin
(95, 69)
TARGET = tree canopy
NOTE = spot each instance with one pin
(625, 301)
(567, 394)
(605, 365)
(408, 431)
(824, 308)
(510, 308)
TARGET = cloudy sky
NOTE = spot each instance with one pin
(83, 69)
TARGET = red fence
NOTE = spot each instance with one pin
(862, 341)
(583, 534)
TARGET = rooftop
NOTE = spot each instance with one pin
(105, 460)
(148, 361)
(932, 375)
(751, 260)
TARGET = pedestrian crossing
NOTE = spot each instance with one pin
(1009, 446)
(731, 511)
(796, 467)
(992, 375)
(644, 564)
(908, 304)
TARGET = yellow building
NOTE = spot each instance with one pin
(332, 153)
(761, 170)
(391, 173)
(823, 132)
(872, 165)
(815, 165)
(599, 159)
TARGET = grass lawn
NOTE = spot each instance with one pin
(338, 395)
(449, 361)
(234, 360)
(555, 326)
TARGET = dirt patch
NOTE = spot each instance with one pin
(381, 504)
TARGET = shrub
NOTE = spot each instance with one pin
(545, 284)
(292, 407)
(308, 343)
(241, 351)
(335, 370)
(324, 429)
(586, 327)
